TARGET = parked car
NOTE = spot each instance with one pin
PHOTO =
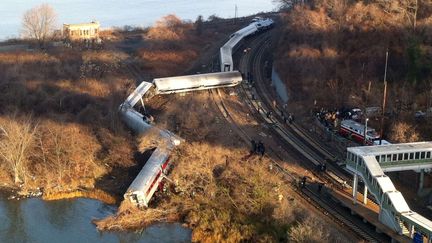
(356, 114)
(420, 114)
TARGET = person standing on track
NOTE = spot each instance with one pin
(254, 147)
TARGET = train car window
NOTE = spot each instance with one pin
(417, 155)
(422, 155)
(400, 156)
(394, 157)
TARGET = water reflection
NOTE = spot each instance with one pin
(34, 220)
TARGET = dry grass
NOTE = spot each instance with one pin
(79, 135)
(94, 194)
(402, 132)
(223, 195)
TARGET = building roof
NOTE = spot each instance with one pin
(391, 148)
(373, 166)
(398, 202)
(93, 24)
(385, 183)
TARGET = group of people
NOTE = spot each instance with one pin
(303, 181)
(328, 116)
(257, 147)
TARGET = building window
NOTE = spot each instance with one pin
(377, 158)
(428, 155)
(411, 156)
(422, 155)
(417, 155)
(400, 156)
(394, 157)
(389, 158)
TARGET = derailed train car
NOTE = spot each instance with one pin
(226, 61)
(148, 180)
(197, 82)
(146, 183)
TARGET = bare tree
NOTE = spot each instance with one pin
(16, 140)
(39, 23)
(288, 4)
(408, 8)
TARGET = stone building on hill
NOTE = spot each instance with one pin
(84, 31)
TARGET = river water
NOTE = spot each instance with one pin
(35, 220)
(119, 13)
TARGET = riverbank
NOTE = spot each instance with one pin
(72, 141)
(60, 135)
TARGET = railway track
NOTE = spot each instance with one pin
(292, 138)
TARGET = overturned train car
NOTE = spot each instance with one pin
(149, 179)
(197, 82)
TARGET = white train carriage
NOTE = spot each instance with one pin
(138, 93)
(148, 180)
(137, 122)
(197, 82)
(264, 24)
(226, 50)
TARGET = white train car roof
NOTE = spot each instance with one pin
(197, 81)
(138, 93)
(226, 55)
(373, 166)
(240, 34)
(135, 121)
(391, 148)
(145, 178)
(264, 22)
(248, 30)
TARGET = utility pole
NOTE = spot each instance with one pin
(235, 13)
(384, 98)
(365, 131)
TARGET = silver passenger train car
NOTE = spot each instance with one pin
(149, 179)
(197, 82)
(226, 61)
